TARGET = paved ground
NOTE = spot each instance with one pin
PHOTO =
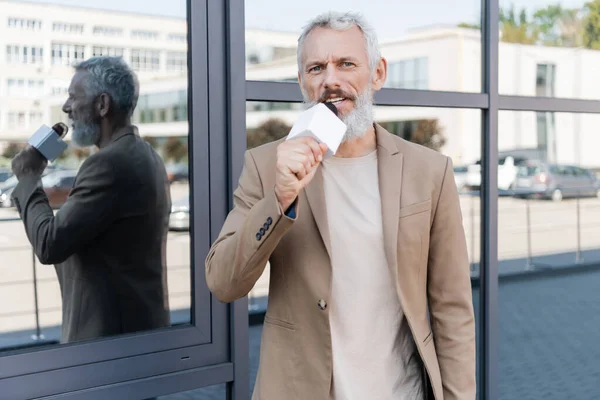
(548, 341)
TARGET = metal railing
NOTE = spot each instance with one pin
(548, 209)
(38, 337)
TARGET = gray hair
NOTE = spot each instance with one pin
(340, 22)
(112, 75)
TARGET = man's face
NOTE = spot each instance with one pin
(80, 109)
(335, 68)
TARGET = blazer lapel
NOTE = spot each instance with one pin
(390, 184)
(316, 199)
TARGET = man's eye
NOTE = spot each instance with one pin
(348, 64)
(316, 68)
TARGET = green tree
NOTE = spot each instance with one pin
(469, 26)
(12, 149)
(591, 25)
(269, 131)
(556, 26)
(517, 30)
(429, 133)
(151, 141)
(175, 149)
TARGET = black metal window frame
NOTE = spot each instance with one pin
(213, 349)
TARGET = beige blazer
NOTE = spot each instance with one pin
(424, 244)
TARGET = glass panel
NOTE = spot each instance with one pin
(549, 48)
(549, 252)
(142, 292)
(453, 132)
(216, 392)
(439, 50)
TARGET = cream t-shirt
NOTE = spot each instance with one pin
(374, 355)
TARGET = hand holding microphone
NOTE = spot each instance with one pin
(45, 145)
(297, 162)
(316, 135)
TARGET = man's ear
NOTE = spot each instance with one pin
(380, 74)
(103, 105)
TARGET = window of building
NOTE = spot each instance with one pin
(145, 60)
(67, 54)
(67, 27)
(36, 118)
(25, 23)
(408, 74)
(162, 107)
(177, 37)
(21, 87)
(546, 135)
(143, 34)
(107, 31)
(176, 61)
(98, 51)
(16, 54)
(545, 78)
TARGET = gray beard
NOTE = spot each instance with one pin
(359, 120)
(85, 134)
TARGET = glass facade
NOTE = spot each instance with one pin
(506, 89)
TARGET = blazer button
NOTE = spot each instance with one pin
(262, 231)
(269, 220)
(322, 304)
(266, 226)
(258, 236)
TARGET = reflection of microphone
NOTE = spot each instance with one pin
(320, 122)
(48, 141)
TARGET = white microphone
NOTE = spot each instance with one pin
(321, 123)
(48, 141)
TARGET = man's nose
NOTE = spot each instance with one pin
(66, 108)
(332, 77)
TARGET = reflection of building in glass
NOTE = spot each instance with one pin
(37, 52)
(449, 59)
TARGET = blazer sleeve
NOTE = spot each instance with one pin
(249, 235)
(89, 209)
(450, 296)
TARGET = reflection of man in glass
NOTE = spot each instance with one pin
(108, 241)
(369, 293)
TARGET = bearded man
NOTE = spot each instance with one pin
(108, 240)
(370, 291)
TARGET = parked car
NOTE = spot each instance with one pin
(554, 181)
(460, 178)
(5, 173)
(58, 185)
(7, 187)
(178, 173)
(179, 220)
(507, 172)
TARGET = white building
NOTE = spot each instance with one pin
(40, 42)
(449, 59)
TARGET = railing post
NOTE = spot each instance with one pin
(38, 333)
(473, 233)
(578, 256)
(529, 266)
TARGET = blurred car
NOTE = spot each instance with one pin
(5, 173)
(554, 181)
(507, 172)
(58, 185)
(460, 178)
(178, 173)
(179, 220)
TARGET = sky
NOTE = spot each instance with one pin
(390, 18)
